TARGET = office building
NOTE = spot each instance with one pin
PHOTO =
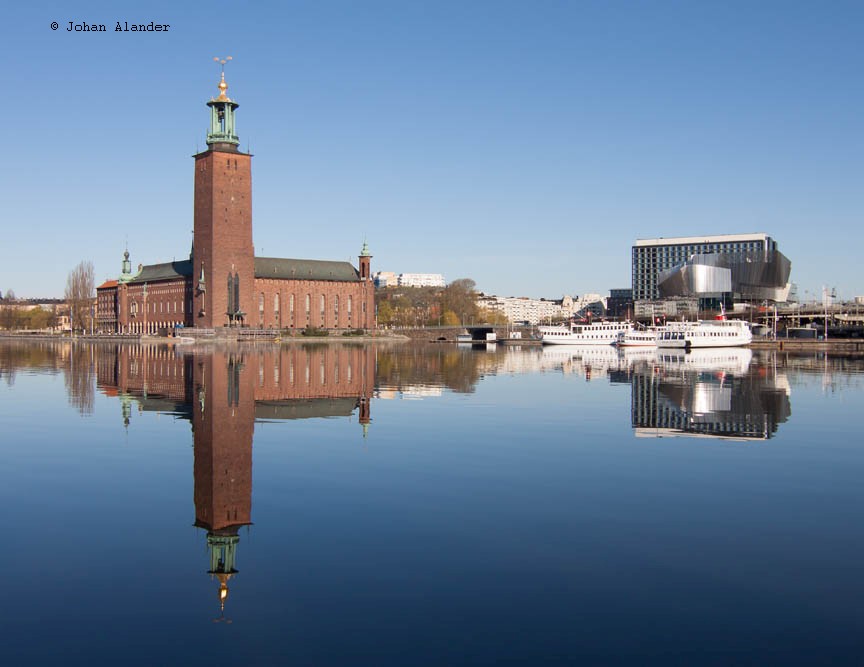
(727, 268)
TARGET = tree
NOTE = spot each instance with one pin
(450, 319)
(460, 297)
(10, 317)
(385, 313)
(492, 316)
(80, 290)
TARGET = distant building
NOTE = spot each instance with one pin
(619, 303)
(391, 279)
(385, 279)
(421, 280)
(587, 305)
(537, 311)
(722, 268)
(522, 309)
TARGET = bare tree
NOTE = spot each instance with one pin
(460, 298)
(80, 291)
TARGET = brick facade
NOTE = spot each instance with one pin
(223, 248)
(297, 304)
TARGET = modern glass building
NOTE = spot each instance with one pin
(735, 266)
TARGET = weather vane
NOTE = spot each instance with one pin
(223, 61)
(222, 85)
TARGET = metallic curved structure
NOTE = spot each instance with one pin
(748, 275)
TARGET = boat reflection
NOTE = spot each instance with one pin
(711, 393)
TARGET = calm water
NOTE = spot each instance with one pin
(408, 505)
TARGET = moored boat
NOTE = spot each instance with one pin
(637, 338)
(597, 333)
(671, 338)
(705, 333)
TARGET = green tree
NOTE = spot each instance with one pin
(385, 313)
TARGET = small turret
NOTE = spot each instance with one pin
(365, 263)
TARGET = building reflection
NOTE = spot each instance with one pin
(223, 393)
(714, 393)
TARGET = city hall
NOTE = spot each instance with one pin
(223, 284)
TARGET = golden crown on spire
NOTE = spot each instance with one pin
(223, 86)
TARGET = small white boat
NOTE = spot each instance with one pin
(597, 333)
(637, 338)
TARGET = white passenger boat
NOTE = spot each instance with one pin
(637, 338)
(705, 333)
(597, 333)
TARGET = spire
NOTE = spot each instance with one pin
(223, 86)
(223, 551)
(365, 251)
(222, 108)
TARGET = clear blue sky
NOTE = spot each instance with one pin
(522, 144)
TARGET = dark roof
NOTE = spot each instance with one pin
(265, 267)
(167, 271)
(310, 408)
(304, 269)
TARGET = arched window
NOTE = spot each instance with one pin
(323, 306)
(236, 294)
(231, 305)
(336, 310)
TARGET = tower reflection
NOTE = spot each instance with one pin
(223, 392)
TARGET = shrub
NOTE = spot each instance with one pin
(315, 332)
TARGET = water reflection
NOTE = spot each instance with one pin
(709, 393)
(509, 513)
(223, 392)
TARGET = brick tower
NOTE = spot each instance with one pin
(223, 266)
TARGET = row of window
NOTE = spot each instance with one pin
(322, 307)
(163, 307)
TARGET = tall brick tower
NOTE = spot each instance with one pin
(223, 262)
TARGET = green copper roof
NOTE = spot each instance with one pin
(167, 271)
(304, 269)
